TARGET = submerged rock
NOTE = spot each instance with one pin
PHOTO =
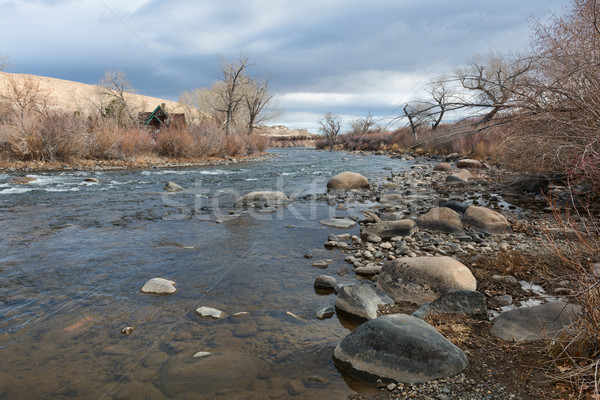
(423, 279)
(262, 198)
(22, 180)
(341, 223)
(173, 187)
(159, 286)
(208, 312)
(348, 180)
(398, 348)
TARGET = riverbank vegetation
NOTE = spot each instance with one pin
(542, 105)
(534, 112)
(219, 123)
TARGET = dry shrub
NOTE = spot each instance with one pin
(175, 142)
(102, 137)
(576, 353)
(62, 137)
(135, 142)
(256, 144)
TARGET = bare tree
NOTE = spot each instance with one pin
(257, 97)
(230, 93)
(25, 98)
(494, 80)
(361, 126)
(3, 62)
(113, 90)
(330, 127)
(418, 114)
(441, 95)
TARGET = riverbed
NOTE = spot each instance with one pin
(75, 255)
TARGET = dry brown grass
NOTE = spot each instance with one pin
(576, 353)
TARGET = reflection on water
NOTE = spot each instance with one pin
(75, 255)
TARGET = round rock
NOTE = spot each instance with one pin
(423, 279)
(159, 286)
(325, 282)
(441, 219)
(398, 348)
(484, 219)
(348, 180)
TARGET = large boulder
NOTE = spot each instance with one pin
(348, 180)
(534, 323)
(455, 205)
(441, 219)
(398, 348)
(423, 279)
(260, 198)
(469, 164)
(360, 302)
(462, 302)
(388, 229)
(484, 219)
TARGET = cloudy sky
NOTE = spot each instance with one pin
(349, 57)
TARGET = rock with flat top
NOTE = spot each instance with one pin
(389, 229)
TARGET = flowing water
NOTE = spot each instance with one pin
(75, 254)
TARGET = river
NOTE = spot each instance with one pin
(75, 255)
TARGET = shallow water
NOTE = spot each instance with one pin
(75, 255)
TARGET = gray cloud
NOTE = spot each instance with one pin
(347, 56)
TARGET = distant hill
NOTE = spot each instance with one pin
(282, 131)
(75, 96)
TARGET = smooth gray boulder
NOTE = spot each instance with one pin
(534, 323)
(360, 302)
(389, 229)
(263, 197)
(173, 187)
(484, 219)
(462, 302)
(159, 286)
(420, 280)
(348, 180)
(341, 223)
(398, 348)
(441, 219)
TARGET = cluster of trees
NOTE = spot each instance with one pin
(32, 128)
(544, 102)
(238, 101)
(547, 99)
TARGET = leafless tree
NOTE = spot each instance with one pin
(330, 127)
(3, 62)
(361, 126)
(231, 93)
(257, 97)
(113, 92)
(25, 98)
(494, 81)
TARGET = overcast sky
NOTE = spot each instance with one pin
(344, 56)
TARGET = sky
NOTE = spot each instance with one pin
(348, 57)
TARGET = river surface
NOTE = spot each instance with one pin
(74, 256)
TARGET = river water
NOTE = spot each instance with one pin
(74, 256)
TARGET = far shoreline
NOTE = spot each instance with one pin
(116, 165)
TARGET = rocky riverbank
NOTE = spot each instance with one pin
(459, 244)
